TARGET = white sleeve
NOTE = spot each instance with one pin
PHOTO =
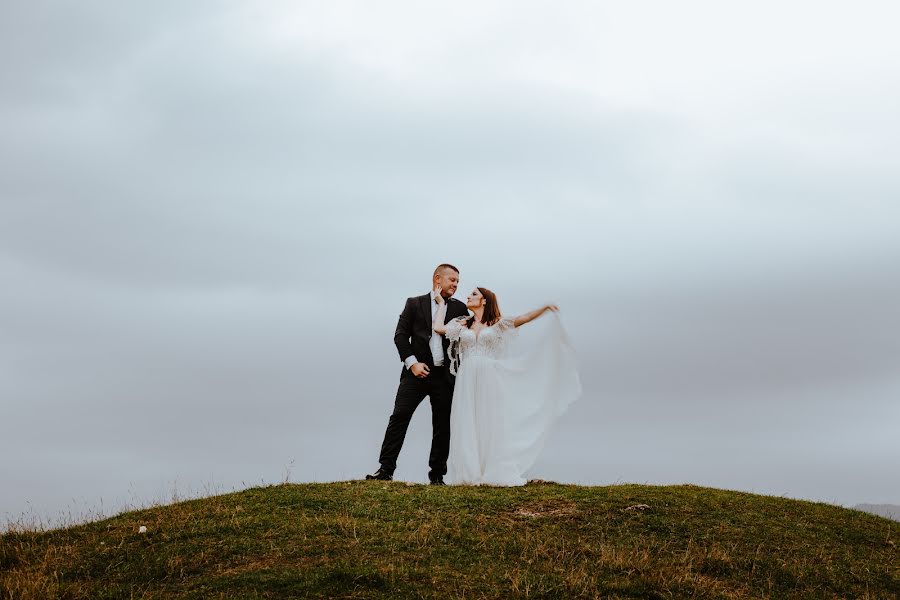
(506, 323)
(454, 327)
(410, 360)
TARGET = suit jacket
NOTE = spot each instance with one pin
(414, 328)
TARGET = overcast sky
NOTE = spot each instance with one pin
(211, 214)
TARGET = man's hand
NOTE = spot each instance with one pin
(420, 370)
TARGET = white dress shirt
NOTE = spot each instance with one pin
(435, 343)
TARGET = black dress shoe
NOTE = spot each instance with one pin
(381, 475)
(439, 480)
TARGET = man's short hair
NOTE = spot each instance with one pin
(440, 269)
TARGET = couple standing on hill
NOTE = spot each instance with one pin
(505, 390)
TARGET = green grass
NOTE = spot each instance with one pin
(369, 539)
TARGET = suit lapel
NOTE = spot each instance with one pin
(426, 306)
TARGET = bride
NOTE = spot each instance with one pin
(509, 389)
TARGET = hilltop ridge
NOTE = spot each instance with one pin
(372, 539)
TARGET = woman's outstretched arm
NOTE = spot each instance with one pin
(531, 316)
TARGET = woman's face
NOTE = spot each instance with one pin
(475, 299)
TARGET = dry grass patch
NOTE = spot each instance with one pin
(547, 508)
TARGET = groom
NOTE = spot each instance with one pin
(426, 372)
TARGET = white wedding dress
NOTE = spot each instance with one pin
(511, 386)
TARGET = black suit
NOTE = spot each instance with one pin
(413, 334)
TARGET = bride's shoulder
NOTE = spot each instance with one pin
(505, 323)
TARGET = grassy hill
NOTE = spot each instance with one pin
(368, 539)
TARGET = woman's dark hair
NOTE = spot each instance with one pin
(491, 309)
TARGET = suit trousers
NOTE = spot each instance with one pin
(438, 386)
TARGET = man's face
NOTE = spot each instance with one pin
(448, 280)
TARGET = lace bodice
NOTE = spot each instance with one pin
(490, 341)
